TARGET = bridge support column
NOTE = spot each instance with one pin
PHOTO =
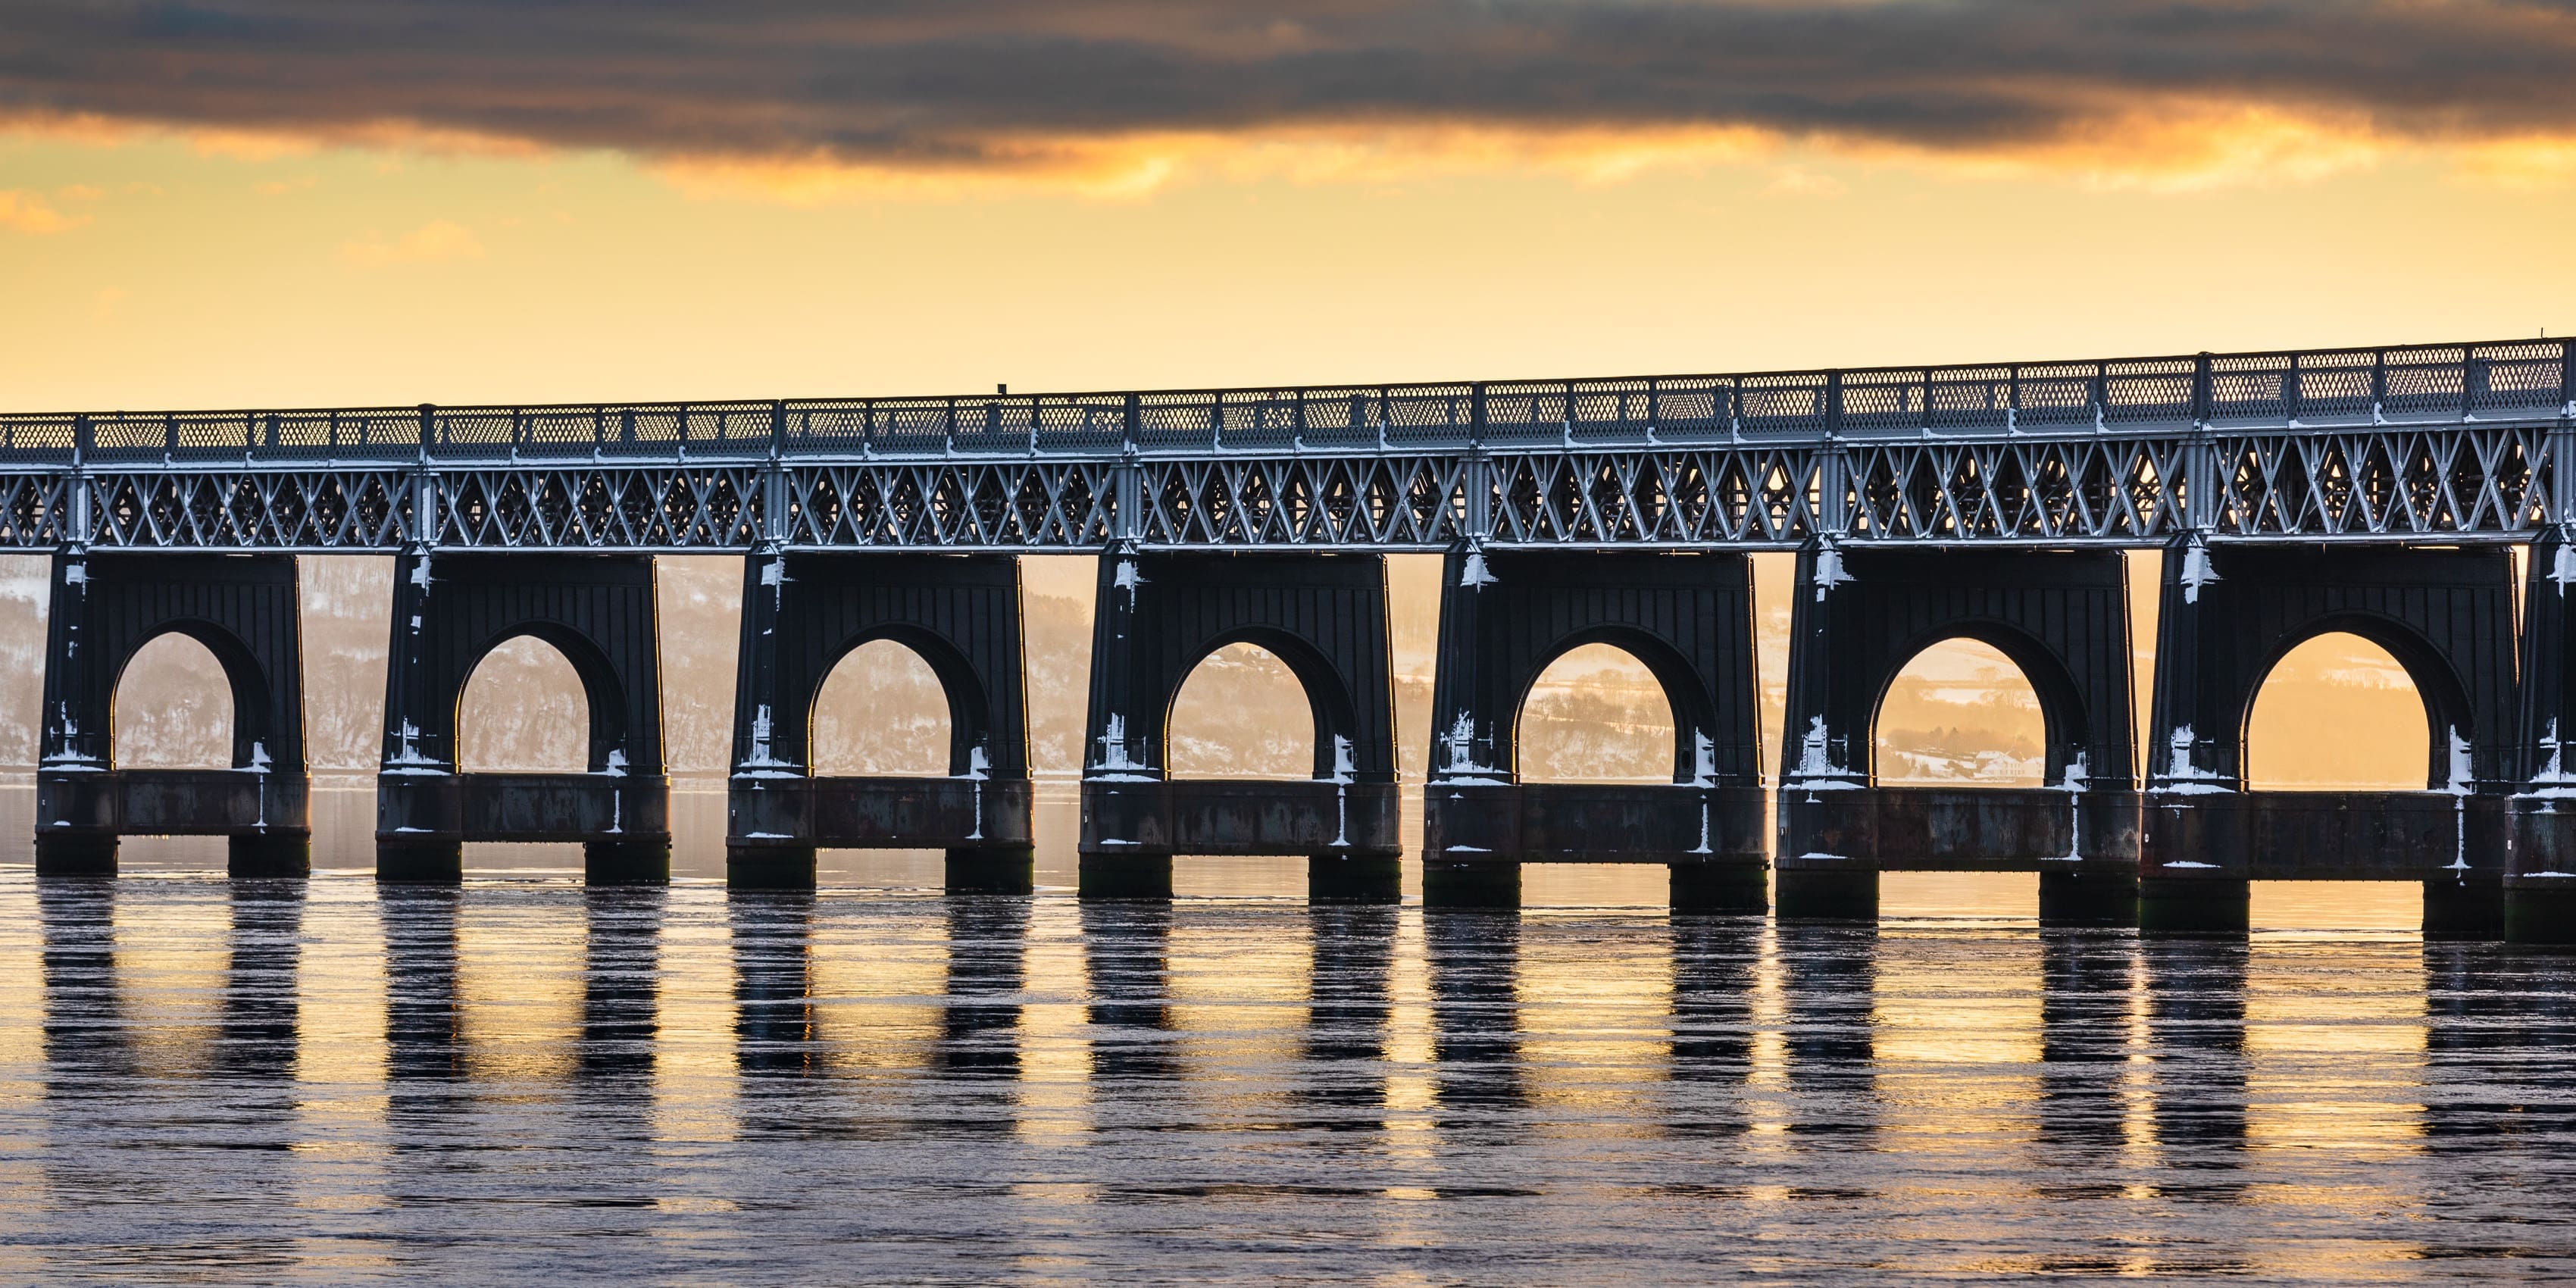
(2229, 614)
(991, 869)
(2540, 816)
(1354, 878)
(275, 854)
(803, 613)
(2459, 909)
(104, 608)
(76, 733)
(1504, 617)
(1158, 615)
(1720, 889)
(450, 610)
(2088, 899)
(1479, 884)
(626, 862)
(420, 862)
(1813, 894)
(1859, 614)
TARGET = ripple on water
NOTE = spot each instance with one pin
(523, 1080)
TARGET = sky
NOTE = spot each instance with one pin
(282, 203)
(266, 203)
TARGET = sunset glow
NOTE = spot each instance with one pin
(243, 215)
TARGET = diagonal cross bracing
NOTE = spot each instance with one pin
(2442, 442)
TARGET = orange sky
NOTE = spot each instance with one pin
(201, 253)
(231, 204)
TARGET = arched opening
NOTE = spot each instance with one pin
(1596, 714)
(173, 708)
(524, 711)
(1960, 713)
(1241, 714)
(881, 711)
(2338, 713)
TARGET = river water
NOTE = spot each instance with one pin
(204, 1081)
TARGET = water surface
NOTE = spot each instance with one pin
(205, 1081)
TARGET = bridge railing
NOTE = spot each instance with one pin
(2276, 389)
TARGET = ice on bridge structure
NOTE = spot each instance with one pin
(2379, 491)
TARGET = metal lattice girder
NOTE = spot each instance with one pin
(2457, 440)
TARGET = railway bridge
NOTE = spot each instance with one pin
(2384, 492)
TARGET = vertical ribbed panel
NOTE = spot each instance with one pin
(598, 610)
(1324, 615)
(961, 613)
(2446, 615)
(241, 607)
(1505, 615)
(2061, 616)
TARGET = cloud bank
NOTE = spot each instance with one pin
(1011, 85)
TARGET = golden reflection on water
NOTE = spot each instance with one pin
(695, 1065)
(1954, 1064)
(340, 1039)
(22, 1081)
(880, 987)
(1239, 997)
(2335, 1041)
(1595, 1020)
(1055, 1056)
(519, 977)
(1955, 1020)
(1411, 1088)
(171, 959)
(2335, 1049)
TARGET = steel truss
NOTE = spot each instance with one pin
(2461, 442)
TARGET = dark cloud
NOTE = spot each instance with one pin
(921, 81)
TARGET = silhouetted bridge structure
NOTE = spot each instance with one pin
(2376, 491)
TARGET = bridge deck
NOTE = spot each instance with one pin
(2461, 441)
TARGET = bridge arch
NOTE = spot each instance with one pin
(2231, 614)
(2451, 724)
(1322, 616)
(967, 705)
(1157, 617)
(246, 688)
(1689, 708)
(1275, 662)
(2066, 724)
(241, 609)
(2060, 617)
(541, 655)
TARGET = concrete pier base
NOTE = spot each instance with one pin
(2541, 915)
(626, 863)
(1828, 896)
(769, 867)
(1720, 888)
(2088, 899)
(435, 862)
(1125, 876)
(1354, 878)
(2472, 910)
(86, 854)
(2198, 906)
(1471, 885)
(992, 869)
(287, 855)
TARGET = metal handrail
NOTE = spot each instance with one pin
(2287, 387)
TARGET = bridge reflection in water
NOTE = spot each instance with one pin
(308, 1081)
